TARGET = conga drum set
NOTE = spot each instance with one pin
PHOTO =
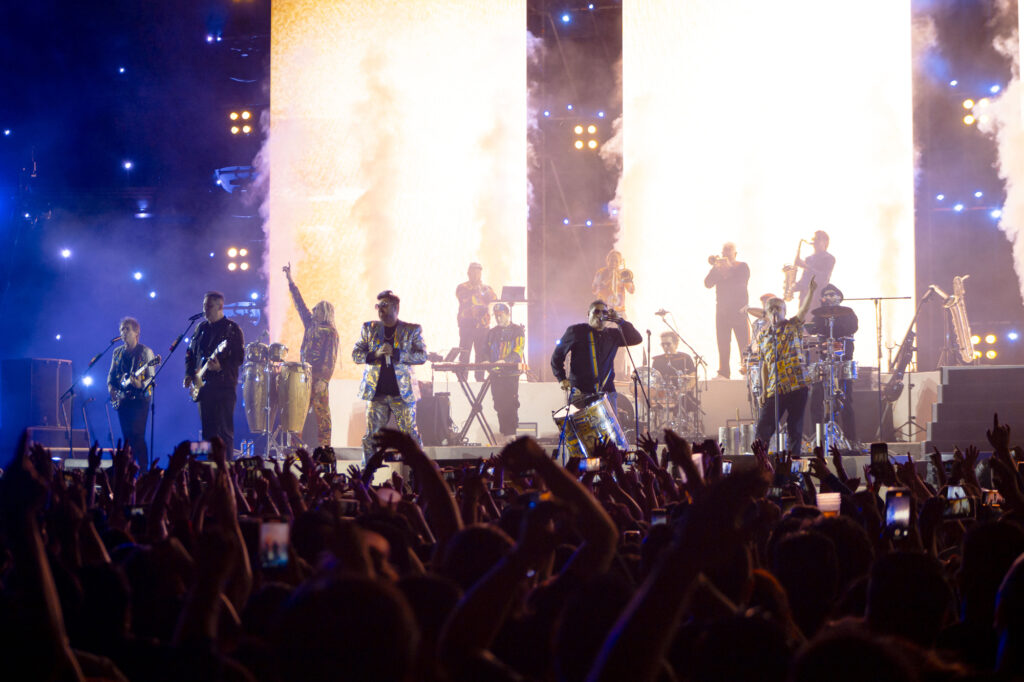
(276, 396)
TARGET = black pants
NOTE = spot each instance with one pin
(217, 414)
(133, 414)
(846, 416)
(728, 323)
(472, 336)
(792, 406)
(505, 393)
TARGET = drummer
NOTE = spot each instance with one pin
(593, 345)
(320, 351)
(676, 368)
(843, 329)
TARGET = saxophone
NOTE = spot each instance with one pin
(957, 307)
(789, 274)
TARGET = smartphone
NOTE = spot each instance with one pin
(134, 510)
(955, 492)
(775, 493)
(252, 467)
(726, 467)
(590, 464)
(897, 511)
(449, 476)
(960, 508)
(200, 448)
(274, 536)
(659, 517)
(879, 454)
(800, 466)
(631, 537)
(992, 498)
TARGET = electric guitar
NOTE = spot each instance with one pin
(126, 388)
(197, 381)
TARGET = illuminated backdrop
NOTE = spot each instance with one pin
(760, 123)
(396, 156)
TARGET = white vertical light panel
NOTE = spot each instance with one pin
(396, 156)
(759, 123)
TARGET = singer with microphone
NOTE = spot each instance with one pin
(593, 346)
(214, 368)
(131, 365)
(389, 348)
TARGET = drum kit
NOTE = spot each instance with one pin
(673, 401)
(276, 396)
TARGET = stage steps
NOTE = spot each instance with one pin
(967, 398)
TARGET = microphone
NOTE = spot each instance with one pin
(195, 317)
(661, 313)
(115, 339)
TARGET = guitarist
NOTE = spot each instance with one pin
(132, 402)
(219, 382)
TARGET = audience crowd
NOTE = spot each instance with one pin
(667, 567)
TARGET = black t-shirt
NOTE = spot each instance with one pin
(203, 343)
(843, 327)
(730, 286)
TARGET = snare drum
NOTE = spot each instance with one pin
(594, 421)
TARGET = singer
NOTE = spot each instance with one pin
(129, 393)
(389, 348)
(218, 371)
(593, 346)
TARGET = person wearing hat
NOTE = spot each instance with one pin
(474, 317)
(505, 343)
(844, 327)
(389, 348)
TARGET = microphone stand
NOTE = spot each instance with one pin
(152, 382)
(636, 374)
(698, 359)
(69, 395)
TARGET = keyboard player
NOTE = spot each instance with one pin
(505, 343)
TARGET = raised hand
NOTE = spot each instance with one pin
(940, 471)
(837, 462)
(999, 436)
(648, 445)
(287, 270)
(95, 456)
(397, 441)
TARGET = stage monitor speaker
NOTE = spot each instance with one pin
(31, 392)
(434, 418)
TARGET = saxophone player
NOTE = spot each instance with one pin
(613, 282)
(729, 278)
(818, 266)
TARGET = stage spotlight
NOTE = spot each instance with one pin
(578, 144)
(991, 354)
(127, 165)
(940, 197)
(121, 70)
(233, 115)
(566, 18)
(996, 213)
(65, 253)
(243, 252)
(983, 102)
(968, 104)
(209, 37)
(57, 337)
(244, 266)
(592, 129)
(232, 267)
(1012, 336)
(568, 107)
(152, 294)
(578, 130)
(958, 208)
(978, 194)
(246, 115)
(994, 89)
(565, 221)
(968, 120)
(590, 6)
(87, 380)
(232, 252)
(975, 340)
(7, 132)
(990, 338)
(590, 223)
(246, 129)
(254, 295)
(592, 144)
(953, 83)
(547, 113)
(600, 114)
(212, 254)
(137, 275)
(26, 216)
(234, 130)
(977, 354)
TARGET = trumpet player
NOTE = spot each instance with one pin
(729, 278)
(613, 282)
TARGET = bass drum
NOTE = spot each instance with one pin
(593, 422)
(255, 391)
(294, 387)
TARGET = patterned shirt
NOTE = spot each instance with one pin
(474, 301)
(791, 366)
(506, 343)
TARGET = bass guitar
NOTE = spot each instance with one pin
(126, 388)
(197, 381)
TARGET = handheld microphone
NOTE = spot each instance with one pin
(115, 339)
(661, 313)
(195, 317)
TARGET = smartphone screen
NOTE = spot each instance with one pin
(879, 454)
(200, 448)
(897, 510)
(726, 467)
(659, 517)
(960, 508)
(274, 544)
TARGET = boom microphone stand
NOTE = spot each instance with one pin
(698, 359)
(152, 382)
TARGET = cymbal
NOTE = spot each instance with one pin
(756, 312)
(829, 311)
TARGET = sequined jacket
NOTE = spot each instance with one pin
(411, 351)
(319, 341)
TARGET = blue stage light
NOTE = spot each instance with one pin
(569, 107)
(137, 275)
(209, 37)
(565, 221)
(254, 295)
(940, 197)
(87, 380)
(127, 165)
(590, 223)
(600, 114)
(566, 18)
(57, 337)
(152, 294)
(996, 213)
(1012, 336)
(590, 6)
(120, 70)
(7, 132)
(547, 113)
(954, 83)
(994, 89)
(958, 208)
(211, 254)
(65, 253)
(978, 194)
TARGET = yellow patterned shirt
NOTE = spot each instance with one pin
(791, 367)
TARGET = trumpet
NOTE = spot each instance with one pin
(714, 259)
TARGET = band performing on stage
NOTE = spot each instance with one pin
(131, 369)
(212, 361)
